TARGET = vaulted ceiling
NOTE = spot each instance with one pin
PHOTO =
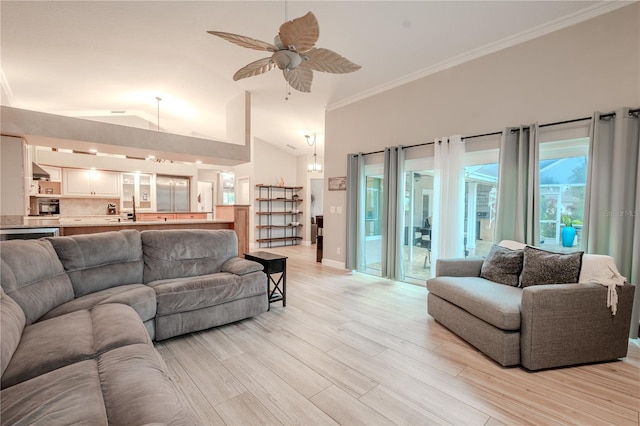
(110, 59)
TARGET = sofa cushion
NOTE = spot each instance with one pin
(137, 389)
(140, 297)
(186, 253)
(191, 293)
(67, 339)
(95, 262)
(12, 322)
(34, 277)
(497, 304)
(503, 265)
(66, 396)
(546, 267)
(240, 266)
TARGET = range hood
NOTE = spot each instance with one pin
(39, 173)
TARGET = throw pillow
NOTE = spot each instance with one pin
(502, 265)
(546, 267)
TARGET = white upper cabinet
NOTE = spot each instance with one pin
(90, 183)
(139, 186)
(55, 173)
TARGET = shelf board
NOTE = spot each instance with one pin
(278, 187)
(277, 226)
(273, 213)
(270, 240)
(288, 200)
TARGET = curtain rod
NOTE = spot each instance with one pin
(557, 123)
(431, 143)
(632, 112)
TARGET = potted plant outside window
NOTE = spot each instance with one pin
(569, 230)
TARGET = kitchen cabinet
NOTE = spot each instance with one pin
(170, 216)
(98, 183)
(139, 186)
(142, 217)
(186, 216)
(278, 221)
(55, 173)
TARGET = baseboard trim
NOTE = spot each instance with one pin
(334, 264)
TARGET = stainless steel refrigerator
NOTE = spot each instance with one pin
(173, 193)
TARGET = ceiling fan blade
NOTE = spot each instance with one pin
(327, 61)
(299, 79)
(245, 41)
(254, 68)
(301, 33)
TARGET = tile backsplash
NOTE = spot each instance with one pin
(86, 206)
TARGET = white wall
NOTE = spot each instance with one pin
(268, 165)
(594, 65)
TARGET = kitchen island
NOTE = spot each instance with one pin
(240, 224)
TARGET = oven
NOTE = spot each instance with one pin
(45, 206)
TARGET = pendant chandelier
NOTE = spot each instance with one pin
(314, 167)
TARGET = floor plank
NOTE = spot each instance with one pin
(282, 400)
(356, 349)
(347, 410)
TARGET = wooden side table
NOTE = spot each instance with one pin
(273, 264)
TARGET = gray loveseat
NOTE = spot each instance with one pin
(78, 315)
(539, 326)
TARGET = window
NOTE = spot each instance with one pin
(563, 177)
(481, 184)
(228, 188)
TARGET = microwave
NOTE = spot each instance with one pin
(45, 206)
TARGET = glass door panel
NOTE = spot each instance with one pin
(562, 194)
(418, 211)
(373, 221)
(481, 181)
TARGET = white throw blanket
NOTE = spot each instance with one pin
(601, 269)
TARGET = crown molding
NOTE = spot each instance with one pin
(590, 12)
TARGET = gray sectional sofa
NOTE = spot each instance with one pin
(538, 326)
(78, 315)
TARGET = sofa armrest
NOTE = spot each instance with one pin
(459, 267)
(240, 266)
(567, 324)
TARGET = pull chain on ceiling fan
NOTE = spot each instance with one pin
(294, 52)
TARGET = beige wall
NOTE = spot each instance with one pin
(594, 65)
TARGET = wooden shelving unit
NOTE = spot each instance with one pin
(278, 215)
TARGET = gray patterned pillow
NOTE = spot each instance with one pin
(502, 265)
(545, 267)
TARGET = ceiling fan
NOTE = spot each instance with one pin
(293, 52)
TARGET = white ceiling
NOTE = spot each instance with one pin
(90, 58)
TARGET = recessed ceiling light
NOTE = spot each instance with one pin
(198, 162)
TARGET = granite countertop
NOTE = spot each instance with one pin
(52, 223)
(143, 222)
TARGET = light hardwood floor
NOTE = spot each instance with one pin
(354, 349)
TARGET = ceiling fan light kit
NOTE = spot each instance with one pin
(293, 52)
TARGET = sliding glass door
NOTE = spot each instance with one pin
(374, 192)
(563, 177)
(418, 209)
